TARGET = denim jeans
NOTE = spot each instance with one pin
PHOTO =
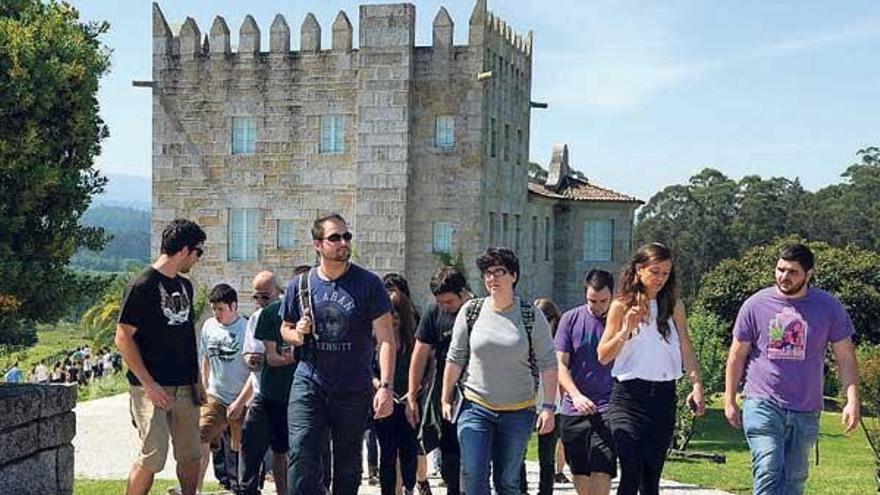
(313, 417)
(497, 438)
(780, 441)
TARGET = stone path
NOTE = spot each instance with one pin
(105, 447)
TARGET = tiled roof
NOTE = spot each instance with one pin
(579, 190)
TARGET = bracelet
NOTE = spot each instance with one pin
(548, 406)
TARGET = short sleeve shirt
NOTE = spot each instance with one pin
(223, 346)
(274, 380)
(338, 355)
(578, 335)
(788, 340)
(160, 308)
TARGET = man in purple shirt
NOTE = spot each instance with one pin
(587, 388)
(779, 341)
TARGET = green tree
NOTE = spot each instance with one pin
(713, 217)
(849, 273)
(849, 212)
(50, 132)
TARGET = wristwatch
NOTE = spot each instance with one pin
(549, 406)
(385, 385)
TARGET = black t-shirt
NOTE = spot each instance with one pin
(274, 380)
(435, 329)
(161, 310)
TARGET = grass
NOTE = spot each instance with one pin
(112, 384)
(115, 487)
(54, 343)
(846, 464)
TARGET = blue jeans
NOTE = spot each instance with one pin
(499, 438)
(780, 441)
(315, 416)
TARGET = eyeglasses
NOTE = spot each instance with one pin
(495, 272)
(199, 251)
(260, 296)
(335, 238)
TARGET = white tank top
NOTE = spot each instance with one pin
(647, 355)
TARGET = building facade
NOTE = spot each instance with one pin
(423, 149)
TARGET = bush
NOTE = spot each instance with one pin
(869, 374)
(705, 330)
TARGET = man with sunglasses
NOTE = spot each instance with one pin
(156, 338)
(334, 324)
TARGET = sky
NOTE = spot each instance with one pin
(644, 93)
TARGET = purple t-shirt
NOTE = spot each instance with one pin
(789, 338)
(578, 334)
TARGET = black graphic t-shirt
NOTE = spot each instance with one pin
(160, 308)
(338, 357)
(435, 329)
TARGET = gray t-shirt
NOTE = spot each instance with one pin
(223, 346)
(498, 375)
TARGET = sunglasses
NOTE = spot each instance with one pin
(260, 296)
(199, 251)
(335, 238)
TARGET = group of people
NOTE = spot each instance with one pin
(337, 350)
(80, 366)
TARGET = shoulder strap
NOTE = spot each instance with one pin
(527, 313)
(472, 312)
(304, 294)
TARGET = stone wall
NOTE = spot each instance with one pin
(37, 425)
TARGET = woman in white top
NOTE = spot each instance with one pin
(647, 338)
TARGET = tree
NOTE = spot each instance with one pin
(849, 212)
(50, 132)
(714, 217)
(849, 273)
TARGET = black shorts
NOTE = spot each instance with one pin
(588, 445)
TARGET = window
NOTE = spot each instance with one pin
(534, 239)
(506, 142)
(286, 238)
(332, 134)
(505, 230)
(444, 134)
(443, 237)
(491, 228)
(492, 138)
(244, 135)
(243, 234)
(598, 240)
(517, 233)
(546, 238)
(519, 150)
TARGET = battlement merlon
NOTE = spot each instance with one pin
(382, 25)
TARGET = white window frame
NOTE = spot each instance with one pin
(332, 134)
(444, 132)
(285, 234)
(441, 239)
(244, 135)
(597, 248)
(243, 239)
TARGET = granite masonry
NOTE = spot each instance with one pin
(37, 425)
(424, 150)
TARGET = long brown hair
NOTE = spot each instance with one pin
(631, 285)
(404, 310)
(551, 312)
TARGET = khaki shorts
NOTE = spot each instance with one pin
(213, 421)
(155, 426)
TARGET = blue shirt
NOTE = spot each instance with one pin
(14, 375)
(338, 355)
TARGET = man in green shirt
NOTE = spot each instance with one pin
(265, 425)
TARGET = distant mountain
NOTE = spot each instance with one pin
(130, 243)
(132, 191)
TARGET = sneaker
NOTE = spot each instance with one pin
(423, 487)
(561, 478)
(373, 480)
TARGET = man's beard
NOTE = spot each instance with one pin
(340, 256)
(793, 290)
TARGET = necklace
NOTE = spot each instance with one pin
(328, 277)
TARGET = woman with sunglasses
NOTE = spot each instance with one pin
(646, 335)
(499, 348)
